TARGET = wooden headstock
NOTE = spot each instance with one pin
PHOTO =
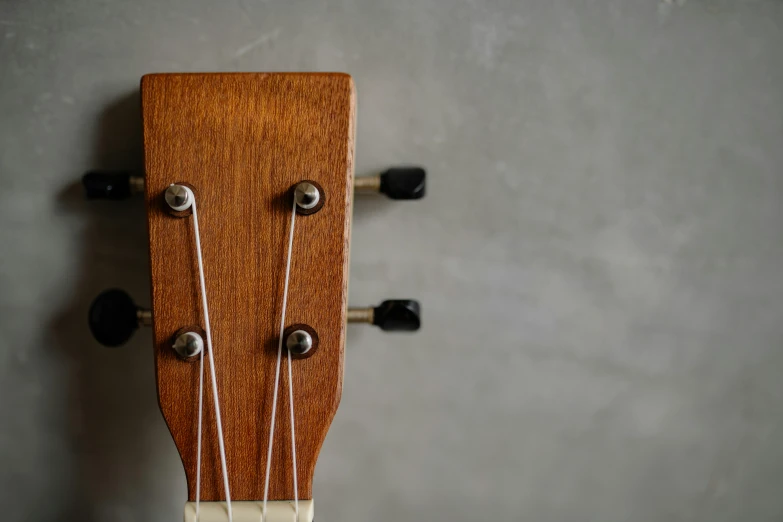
(238, 145)
(242, 141)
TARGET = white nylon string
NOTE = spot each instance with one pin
(277, 383)
(198, 445)
(293, 434)
(209, 349)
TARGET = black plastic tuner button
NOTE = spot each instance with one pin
(404, 182)
(396, 183)
(394, 315)
(398, 315)
(111, 185)
(114, 317)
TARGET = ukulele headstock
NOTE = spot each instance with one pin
(248, 188)
(242, 142)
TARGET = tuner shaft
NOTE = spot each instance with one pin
(144, 317)
(367, 184)
(361, 315)
(136, 184)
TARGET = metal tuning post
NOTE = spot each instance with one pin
(111, 185)
(395, 315)
(396, 183)
(114, 317)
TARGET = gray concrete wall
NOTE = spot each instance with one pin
(599, 256)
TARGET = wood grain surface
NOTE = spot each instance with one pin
(242, 141)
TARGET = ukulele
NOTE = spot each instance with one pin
(248, 188)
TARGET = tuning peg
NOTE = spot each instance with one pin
(396, 183)
(396, 315)
(111, 185)
(114, 317)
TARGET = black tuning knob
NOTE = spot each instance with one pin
(398, 315)
(111, 185)
(396, 183)
(404, 182)
(114, 317)
(395, 315)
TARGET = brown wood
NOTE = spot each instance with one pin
(243, 140)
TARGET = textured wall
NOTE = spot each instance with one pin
(599, 256)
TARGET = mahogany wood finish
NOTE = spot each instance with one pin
(242, 141)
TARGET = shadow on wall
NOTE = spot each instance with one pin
(115, 427)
